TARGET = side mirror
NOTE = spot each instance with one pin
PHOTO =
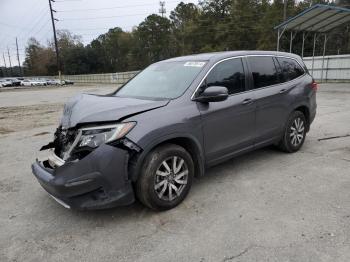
(213, 94)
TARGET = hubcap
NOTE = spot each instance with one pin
(297, 132)
(171, 178)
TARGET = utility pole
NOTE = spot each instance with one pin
(3, 56)
(55, 38)
(8, 52)
(285, 10)
(19, 63)
(162, 9)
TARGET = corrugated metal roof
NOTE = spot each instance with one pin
(318, 18)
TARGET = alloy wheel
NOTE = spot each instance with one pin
(297, 132)
(171, 178)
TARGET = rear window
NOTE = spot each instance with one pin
(264, 71)
(290, 68)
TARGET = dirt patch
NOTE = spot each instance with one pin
(4, 130)
(10, 186)
(19, 118)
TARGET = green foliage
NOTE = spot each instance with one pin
(184, 21)
(212, 25)
(154, 37)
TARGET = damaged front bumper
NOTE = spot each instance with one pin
(98, 181)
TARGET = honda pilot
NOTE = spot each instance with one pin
(172, 121)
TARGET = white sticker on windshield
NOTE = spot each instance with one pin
(195, 64)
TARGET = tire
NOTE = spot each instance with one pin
(155, 186)
(294, 133)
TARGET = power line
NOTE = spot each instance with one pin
(13, 26)
(103, 17)
(23, 29)
(47, 22)
(45, 35)
(100, 28)
(108, 8)
(38, 22)
(65, 1)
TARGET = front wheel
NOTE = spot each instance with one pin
(166, 177)
(295, 133)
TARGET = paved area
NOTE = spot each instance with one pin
(264, 206)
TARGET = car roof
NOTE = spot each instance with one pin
(216, 56)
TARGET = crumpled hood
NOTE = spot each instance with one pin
(87, 108)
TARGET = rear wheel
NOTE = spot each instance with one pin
(166, 177)
(295, 133)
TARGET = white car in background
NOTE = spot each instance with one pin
(26, 82)
(33, 82)
(42, 82)
(54, 82)
(5, 83)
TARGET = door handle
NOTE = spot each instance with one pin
(248, 101)
(283, 91)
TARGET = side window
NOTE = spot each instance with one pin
(229, 74)
(290, 68)
(263, 70)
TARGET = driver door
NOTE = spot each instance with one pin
(228, 126)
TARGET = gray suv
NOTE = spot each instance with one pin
(150, 138)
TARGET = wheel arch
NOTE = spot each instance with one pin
(306, 111)
(190, 144)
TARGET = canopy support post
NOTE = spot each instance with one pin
(324, 53)
(302, 47)
(292, 36)
(279, 35)
(313, 54)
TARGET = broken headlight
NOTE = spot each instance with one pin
(96, 136)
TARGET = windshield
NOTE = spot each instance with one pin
(164, 80)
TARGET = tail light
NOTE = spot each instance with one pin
(314, 85)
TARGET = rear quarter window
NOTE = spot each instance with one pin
(290, 68)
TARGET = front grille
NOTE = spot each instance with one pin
(63, 141)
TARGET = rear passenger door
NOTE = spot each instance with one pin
(272, 100)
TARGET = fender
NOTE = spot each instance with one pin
(299, 104)
(198, 158)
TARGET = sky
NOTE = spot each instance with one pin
(89, 18)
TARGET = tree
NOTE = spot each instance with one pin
(343, 3)
(37, 58)
(71, 54)
(217, 8)
(244, 25)
(212, 25)
(154, 39)
(184, 19)
(271, 15)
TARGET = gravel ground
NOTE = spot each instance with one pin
(263, 206)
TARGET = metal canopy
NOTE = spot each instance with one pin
(318, 18)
